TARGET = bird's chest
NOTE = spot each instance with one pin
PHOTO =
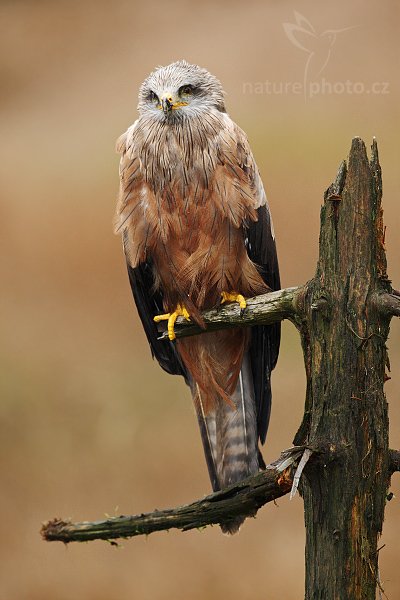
(182, 215)
(178, 200)
(192, 205)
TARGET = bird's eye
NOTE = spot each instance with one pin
(153, 97)
(186, 90)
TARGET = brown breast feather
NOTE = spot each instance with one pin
(184, 201)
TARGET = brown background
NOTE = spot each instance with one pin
(89, 424)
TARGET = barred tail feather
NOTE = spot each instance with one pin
(229, 434)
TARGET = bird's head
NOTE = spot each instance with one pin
(180, 90)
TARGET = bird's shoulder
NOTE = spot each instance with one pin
(130, 179)
(125, 142)
(236, 156)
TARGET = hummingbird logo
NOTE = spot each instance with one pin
(318, 46)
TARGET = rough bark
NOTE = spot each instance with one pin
(245, 497)
(344, 330)
(263, 309)
(343, 316)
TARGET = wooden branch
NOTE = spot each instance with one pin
(394, 461)
(264, 309)
(243, 498)
(343, 315)
(387, 304)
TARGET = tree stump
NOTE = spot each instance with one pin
(343, 336)
(343, 316)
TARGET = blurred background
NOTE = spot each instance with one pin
(90, 425)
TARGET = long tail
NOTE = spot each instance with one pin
(229, 435)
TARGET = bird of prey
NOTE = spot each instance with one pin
(197, 232)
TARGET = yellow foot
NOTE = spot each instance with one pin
(234, 297)
(180, 311)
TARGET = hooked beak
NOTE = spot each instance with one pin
(166, 104)
(170, 102)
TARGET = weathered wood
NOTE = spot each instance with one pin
(343, 316)
(264, 309)
(394, 461)
(387, 304)
(245, 498)
(346, 410)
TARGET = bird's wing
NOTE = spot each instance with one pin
(261, 248)
(149, 301)
(130, 180)
(265, 339)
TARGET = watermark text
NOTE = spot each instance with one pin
(311, 89)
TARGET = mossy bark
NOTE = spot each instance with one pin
(343, 337)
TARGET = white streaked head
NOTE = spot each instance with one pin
(180, 90)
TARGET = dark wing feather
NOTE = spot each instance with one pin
(150, 303)
(261, 248)
(265, 339)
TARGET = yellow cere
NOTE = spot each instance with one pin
(178, 105)
(174, 106)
